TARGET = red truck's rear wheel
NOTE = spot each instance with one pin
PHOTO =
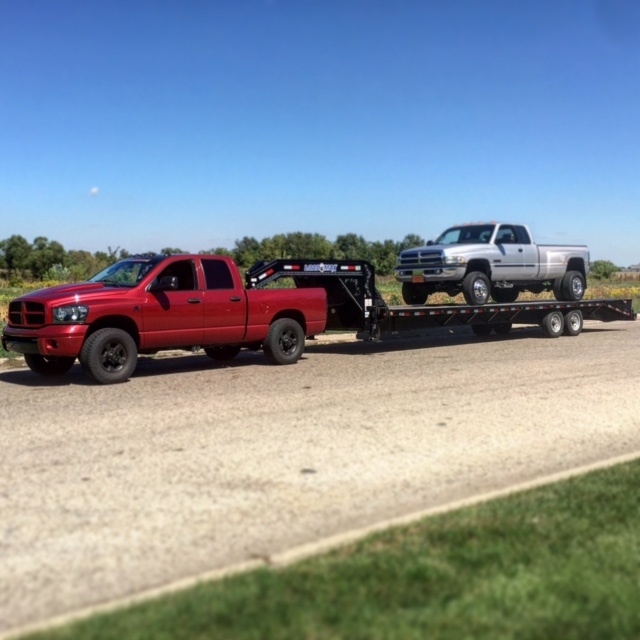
(284, 343)
(109, 355)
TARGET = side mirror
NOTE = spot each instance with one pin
(430, 243)
(166, 283)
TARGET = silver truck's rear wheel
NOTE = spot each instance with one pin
(476, 288)
(109, 355)
(48, 365)
(573, 323)
(284, 343)
(573, 286)
(553, 324)
(414, 293)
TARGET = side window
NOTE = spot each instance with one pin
(522, 234)
(217, 274)
(506, 235)
(184, 272)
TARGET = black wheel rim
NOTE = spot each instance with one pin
(288, 342)
(114, 356)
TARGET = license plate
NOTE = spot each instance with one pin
(417, 279)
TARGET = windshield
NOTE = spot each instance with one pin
(125, 273)
(478, 233)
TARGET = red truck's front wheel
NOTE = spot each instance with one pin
(109, 356)
(284, 343)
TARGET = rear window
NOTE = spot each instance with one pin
(217, 274)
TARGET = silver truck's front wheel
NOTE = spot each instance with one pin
(476, 288)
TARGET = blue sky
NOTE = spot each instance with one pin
(193, 123)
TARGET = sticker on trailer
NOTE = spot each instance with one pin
(321, 268)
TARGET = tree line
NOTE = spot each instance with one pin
(45, 259)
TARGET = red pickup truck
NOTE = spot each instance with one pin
(149, 304)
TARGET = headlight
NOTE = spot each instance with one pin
(455, 260)
(76, 313)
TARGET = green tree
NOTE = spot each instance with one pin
(603, 269)
(217, 251)
(16, 252)
(169, 251)
(384, 256)
(44, 254)
(410, 241)
(246, 252)
(352, 247)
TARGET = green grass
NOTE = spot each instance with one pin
(561, 561)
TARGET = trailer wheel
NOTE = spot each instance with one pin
(553, 324)
(48, 365)
(414, 293)
(109, 356)
(222, 354)
(476, 288)
(573, 286)
(573, 323)
(481, 330)
(503, 328)
(284, 343)
(505, 295)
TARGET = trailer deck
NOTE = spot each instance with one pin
(355, 303)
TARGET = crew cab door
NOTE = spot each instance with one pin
(225, 303)
(173, 310)
(518, 256)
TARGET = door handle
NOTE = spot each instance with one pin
(194, 301)
(236, 299)
(520, 250)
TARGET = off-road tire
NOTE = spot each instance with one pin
(284, 343)
(109, 356)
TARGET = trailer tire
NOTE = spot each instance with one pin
(573, 323)
(284, 343)
(476, 288)
(414, 293)
(481, 330)
(48, 366)
(109, 356)
(222, 354)
(573, 286)
(553, 324)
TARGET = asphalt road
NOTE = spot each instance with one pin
(191, 466)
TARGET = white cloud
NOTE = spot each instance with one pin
(94, 191)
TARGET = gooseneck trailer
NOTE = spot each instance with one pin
(354, 303)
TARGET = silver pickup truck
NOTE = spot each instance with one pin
(495, 260)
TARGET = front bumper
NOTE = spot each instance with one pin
(430, 274)
(51, 340)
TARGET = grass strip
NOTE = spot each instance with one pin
(562, 561)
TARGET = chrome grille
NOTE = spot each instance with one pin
(422, 258)
(26, 314)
